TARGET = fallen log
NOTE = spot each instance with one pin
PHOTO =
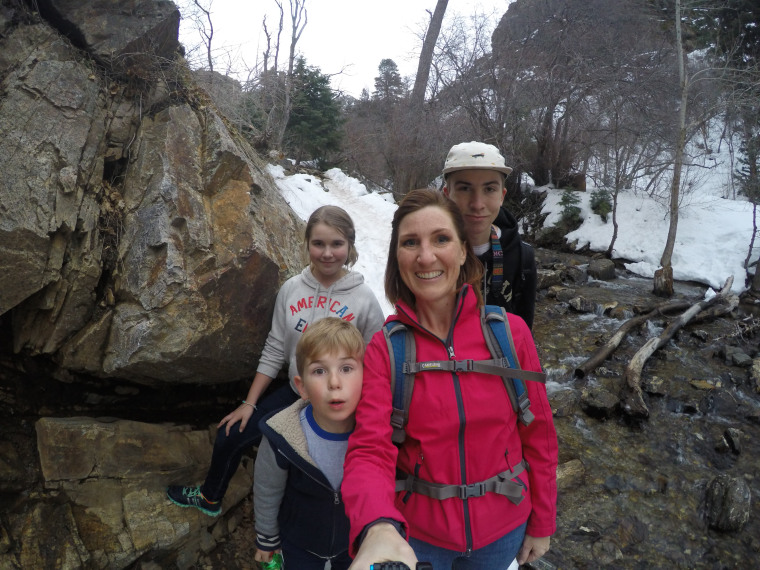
(633, 403)
(603, 352)
(730, 303)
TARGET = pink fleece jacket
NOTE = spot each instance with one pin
(461, 430)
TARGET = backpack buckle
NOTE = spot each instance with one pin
(473, 490)
(463, 365)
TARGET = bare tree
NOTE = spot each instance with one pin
(282, 88)
(663, 277)
(198, 14)
(207, 29)
(410, 171)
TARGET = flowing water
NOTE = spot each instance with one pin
(640, 500)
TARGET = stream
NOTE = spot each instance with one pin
(640, 501)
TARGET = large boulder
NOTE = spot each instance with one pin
(140, 235)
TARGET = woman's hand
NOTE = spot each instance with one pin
(533, 548)
(240, 414)
(383, 543)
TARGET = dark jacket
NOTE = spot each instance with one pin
(311, 514)
(518, 294)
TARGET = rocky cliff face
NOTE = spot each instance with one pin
(142, 242)
(138, 234)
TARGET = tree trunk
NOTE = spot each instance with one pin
(298, 19)
(409, 175)
(426, 56)
(664, 286)
(663, 281)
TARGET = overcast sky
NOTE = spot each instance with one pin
(348, 36)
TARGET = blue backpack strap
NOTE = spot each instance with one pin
(402, 352)
(499, 339)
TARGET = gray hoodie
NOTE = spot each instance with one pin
(302, 300)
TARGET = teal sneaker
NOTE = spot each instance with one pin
(192, 497)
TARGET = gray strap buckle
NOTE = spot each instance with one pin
(473, 490)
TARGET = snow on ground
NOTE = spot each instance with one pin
(712, 238)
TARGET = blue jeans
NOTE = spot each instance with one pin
(495, 556)
(228, 450)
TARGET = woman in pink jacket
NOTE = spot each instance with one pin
(461, 430)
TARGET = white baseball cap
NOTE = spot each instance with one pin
(468, 155)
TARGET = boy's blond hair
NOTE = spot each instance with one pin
(328, 336)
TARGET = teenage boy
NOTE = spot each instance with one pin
(474, 176)
(299, 465)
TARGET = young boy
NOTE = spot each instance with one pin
(299, 465)
(474, 176)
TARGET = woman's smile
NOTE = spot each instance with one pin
(429, 274)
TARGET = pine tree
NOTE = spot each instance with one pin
(388, 85)
(314, 129)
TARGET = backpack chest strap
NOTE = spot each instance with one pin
(497, 366)
(500, 484)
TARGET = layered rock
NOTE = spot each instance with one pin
(140, 237)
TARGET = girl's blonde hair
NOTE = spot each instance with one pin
(337, 218)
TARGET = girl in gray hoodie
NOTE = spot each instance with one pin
(326, 288)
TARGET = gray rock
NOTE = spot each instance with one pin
(128, 35)
(50, 212)
(655, 385)
(164, 273)
(547, 277)
(582, 305)
(564, 403)
(599, 403)
(741, 359)
(727, 501)
(733, 437)
(754, 374)
(606, 552)
(603, 269)
(575, 274)
(570, 474)
(565, 295)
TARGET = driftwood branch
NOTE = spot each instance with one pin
(634, 402)
(601, 354)
(730, 303)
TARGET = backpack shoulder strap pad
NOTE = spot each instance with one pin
(401, 351)
(498, 337)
